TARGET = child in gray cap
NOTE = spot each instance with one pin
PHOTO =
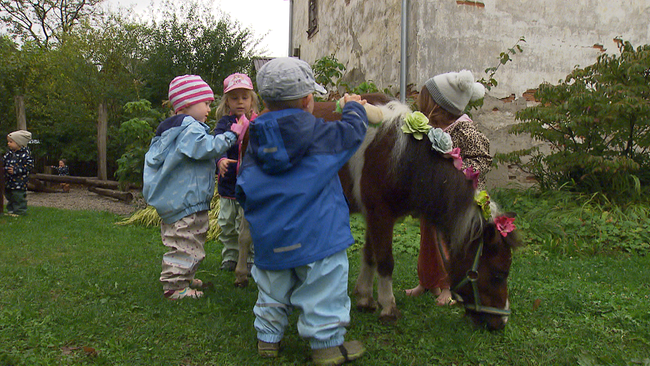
(299, 219)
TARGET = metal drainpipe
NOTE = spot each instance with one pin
(403, 54)
(290, 51)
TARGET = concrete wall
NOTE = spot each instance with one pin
(450, 35)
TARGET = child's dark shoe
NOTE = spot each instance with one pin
(335, 356)
(228, 266)
(268, 350)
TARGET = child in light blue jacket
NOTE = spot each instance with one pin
(179, 182)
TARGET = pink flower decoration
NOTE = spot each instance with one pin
(472, 175)
(505, 224)
(458, 160)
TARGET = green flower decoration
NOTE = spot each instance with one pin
(482, 199)
(417, 124)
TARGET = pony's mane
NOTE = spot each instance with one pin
(394, 114)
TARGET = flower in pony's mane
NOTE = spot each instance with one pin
(472, 175)
(417, 124)
(482, 199)
(505, 224)
(458, 160)
(440, 140)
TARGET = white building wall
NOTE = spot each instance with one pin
(450, 35)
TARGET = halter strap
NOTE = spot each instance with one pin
(472, 278)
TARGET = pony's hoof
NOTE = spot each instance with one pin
(241, 282)
(390, 317)
(367, 306)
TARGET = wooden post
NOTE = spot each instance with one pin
(102, 127)
(21, 120)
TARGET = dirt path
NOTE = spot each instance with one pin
(79, 198)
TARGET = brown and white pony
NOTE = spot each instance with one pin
(393, 175)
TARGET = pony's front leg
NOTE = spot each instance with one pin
(389, 312)
(363, 288)
(244, 241)
(380, 238)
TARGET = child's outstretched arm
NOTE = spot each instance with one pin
(198, 144)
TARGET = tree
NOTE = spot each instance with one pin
(597, 123)
(191, 40)
(44, 21)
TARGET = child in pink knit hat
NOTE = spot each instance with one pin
(239, 100)
(179, 181)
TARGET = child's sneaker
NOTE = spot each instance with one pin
(335, 356)
(268, 350)
(181, 294)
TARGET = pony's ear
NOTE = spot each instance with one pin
(490, 235)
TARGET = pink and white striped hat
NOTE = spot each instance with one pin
(187, 90)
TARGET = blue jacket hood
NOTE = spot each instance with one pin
(279, 140)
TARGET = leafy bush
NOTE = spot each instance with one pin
(136, 134)
(328, 70)
(597, 124)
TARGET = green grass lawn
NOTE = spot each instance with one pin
(76, 289)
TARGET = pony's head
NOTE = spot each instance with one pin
(481, 282)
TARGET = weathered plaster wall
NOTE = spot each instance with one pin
(364, 36)
(450, 35)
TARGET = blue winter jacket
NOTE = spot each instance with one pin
(290, 189)
(180, 165)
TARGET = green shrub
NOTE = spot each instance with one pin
(597, 124)
(136, 134)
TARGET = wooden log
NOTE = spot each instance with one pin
(122, 196)
(36, 185)
(110, 184)
(59, 178)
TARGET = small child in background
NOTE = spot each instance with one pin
(18, 163)
(63, 170)
(239, 99)
(299, 219)
(179, 182)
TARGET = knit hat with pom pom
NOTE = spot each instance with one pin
(453, 90)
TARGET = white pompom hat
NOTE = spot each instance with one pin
(454, 90)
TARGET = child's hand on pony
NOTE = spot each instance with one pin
(375, 115)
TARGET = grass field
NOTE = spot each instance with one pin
(76, 289)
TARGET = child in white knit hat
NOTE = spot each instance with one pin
(443, 100)
(179, 181)
(18, 163)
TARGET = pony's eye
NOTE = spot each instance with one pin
(499, 277)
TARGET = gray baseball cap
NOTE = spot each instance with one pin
(286, 78)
